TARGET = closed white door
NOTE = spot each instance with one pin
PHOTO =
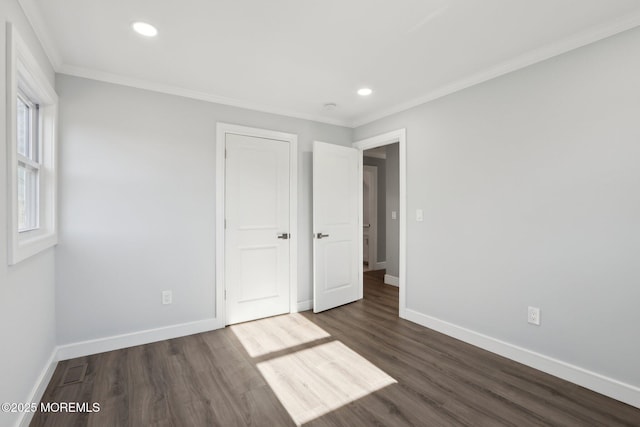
(257, 228)
(337, 247)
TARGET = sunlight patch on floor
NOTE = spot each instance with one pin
(273, 334)
(313, 382)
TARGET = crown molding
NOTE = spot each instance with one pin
(35, 18)
(32, 12)
(572, 42)
(556, 48)
(193, 94)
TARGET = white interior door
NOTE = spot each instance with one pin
(337, 248)
(257, 228)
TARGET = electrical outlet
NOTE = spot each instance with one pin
(533, 316)
(419, 215)
(167, 297)
(394, 215)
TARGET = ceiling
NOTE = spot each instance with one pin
(293, 56)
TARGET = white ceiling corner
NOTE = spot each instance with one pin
(193, 94)
(556, 48)
(34, 16)
(292, 58)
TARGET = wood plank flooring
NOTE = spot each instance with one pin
(211, 379)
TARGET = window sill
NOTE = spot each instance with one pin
(29, 244)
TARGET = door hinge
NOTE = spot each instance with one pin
(225, 223)
(225, 294)
(225, 153)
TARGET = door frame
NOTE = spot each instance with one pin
(222, 129)
(373, 217)
(392, 137)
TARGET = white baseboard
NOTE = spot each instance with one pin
(40, 386)
(380, 265)
(305, 305)
(615, 389)
(391, 280)
(116, 342)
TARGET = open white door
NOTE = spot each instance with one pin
(337, 246)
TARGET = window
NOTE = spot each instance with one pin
(31, 127)
(28, 148)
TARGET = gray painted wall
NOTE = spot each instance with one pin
(529, 185)
(137, 205)
(381, 244)
(393, 204)
(27, 300)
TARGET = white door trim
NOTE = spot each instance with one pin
(222, 129)
(400, 137)
(373, 218)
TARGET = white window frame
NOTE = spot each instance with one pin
(31, 161)
(25, 76)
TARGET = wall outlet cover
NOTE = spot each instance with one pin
(533, 316)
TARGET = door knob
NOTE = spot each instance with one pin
(284, 236)
(320, 235)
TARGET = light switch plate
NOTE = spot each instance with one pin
(419, 215)
(167, 297)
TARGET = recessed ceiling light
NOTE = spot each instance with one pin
(365, 91)
(330, 106)
(144, 29)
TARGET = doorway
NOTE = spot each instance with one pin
(322, 237)
(380, 211)
(387, 154)
(369, 217)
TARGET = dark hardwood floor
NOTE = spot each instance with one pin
(210, 379)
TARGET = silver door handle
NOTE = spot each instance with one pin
(284, 236)
(321, 236)
(366, 225)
